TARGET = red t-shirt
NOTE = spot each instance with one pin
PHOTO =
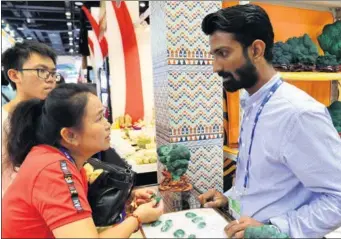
(48, 192)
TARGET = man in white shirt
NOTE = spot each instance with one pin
(289, 163)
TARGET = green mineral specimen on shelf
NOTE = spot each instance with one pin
(190, 215)
(201, 225)
(168, 224)
(192, 236)
(156, 223)
(179, 233)
(197, 219)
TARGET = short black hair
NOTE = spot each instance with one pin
(247, 22)
(16, 56)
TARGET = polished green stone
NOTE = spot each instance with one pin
(198, 219)
(192, 236)
(168, 224)
(156, 223)
(201, 225)
(179, 233)
(190, 215)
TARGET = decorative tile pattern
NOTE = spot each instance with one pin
(195, 105)
(188, 96)
(186, 43)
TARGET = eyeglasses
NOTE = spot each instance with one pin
(45, 74)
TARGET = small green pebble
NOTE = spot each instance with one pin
(190, 215)
(156, 223)
(197, 219)
(192, 236)
(179, 233)
(168, 224)
(201, 225)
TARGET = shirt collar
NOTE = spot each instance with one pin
(246, 100)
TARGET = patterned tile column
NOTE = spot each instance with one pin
(188, 96)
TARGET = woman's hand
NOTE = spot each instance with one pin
(149, 212)
(142, 195)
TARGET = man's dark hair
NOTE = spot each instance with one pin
(247, 22)
(16, 56)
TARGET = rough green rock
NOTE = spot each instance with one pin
(201, 225)
(156, 223)
(266, 231)
(179, 233)
(168, 224)
(190, 215)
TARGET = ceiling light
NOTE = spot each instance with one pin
(70, 39)
(71, 50)
(2, 21)
(68, 13)
(69, 24)
(28, 20)
(77, 38)
(70, 33)
(70, 43)
(78, 3)
(78, 29)
(29, 38)
(77, 46)
(68, 17)
(142, 4)
(20, 28)
(12, 33)
(20, 39)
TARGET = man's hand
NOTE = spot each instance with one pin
(213, 198)
(236, 228)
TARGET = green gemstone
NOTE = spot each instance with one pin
(198, 219)
(179, 233)
(190, 215)
(168, 224)
(201, 225)
(156, 223)
(192, 236)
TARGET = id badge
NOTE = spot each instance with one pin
(234, 203)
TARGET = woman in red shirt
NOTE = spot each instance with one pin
(50, 140)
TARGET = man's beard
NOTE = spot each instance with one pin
(248, 77)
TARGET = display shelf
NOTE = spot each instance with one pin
(230, 153)
(310, 76)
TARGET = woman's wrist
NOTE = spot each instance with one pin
(137, 220)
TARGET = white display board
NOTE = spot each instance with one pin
(214, 228)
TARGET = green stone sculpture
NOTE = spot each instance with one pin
(201, 225)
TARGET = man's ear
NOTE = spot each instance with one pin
(14, 76)
(69, 136)
(257, 50)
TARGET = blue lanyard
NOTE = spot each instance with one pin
(260, 109)
(67, 155)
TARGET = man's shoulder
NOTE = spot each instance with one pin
(298, 101)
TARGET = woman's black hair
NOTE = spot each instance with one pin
(35, 121)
